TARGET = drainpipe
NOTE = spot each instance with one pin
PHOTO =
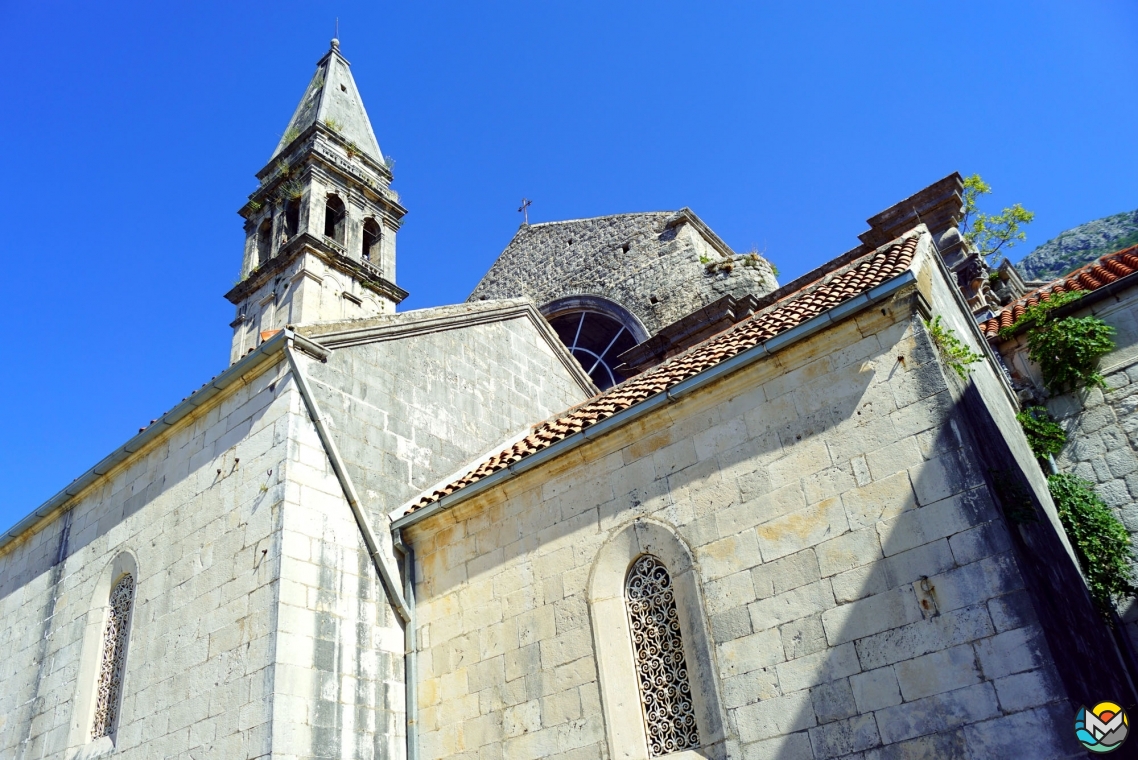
(386, 576)
(410, 661)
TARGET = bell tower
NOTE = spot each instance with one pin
(320, 228)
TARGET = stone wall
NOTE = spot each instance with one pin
(1102, 426)
(652, 264)
(855, 576)
(199, 514)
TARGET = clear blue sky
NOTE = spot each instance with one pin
(132, 133)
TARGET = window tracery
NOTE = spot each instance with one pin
(662, 673)
(109, 689)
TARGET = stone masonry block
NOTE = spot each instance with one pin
(975, 583)
(759, 650)
(833, 701)
(844, 737)
(819, 668)
(1011, 652)
(950, 745)
(870, 615)
(937, 714)
(771, 717)
(729, 555)
(787, 747)
(977, 543)
(751, 687)
(875, 689)
(894, 458)
(804, 528)
(938, 632)
(913, 565)
(803, 636)
(1031, 689)
(780, 501)
(792, 605)
(937, 520)
(1044, 729)
(848, 551)
(938, 672)
(943, 477)
(786, 573)
(879, 500)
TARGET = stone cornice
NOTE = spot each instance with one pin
(366, 275)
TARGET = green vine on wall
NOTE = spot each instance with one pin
(953, 350)
(1044, 435)
(1100, 540)
(1067, 350)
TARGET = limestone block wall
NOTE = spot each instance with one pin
(856, 581)
(1102, 426)
(648, 263)
(412, 409)
(198, 516)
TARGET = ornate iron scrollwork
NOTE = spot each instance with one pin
(669, 716)
(114, 658)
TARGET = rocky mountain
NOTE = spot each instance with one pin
(1080, 245)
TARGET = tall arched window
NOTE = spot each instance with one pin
(108, 694)
(662, 671)
(264, 242)
(292, 218)
(659, 684)
(371, 242)
(334, 214)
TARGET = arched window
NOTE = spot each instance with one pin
(662, 671)
(371, 242)
(596, 331)
(292, 218)
(108, 694)
(334, 214)
(264, 242)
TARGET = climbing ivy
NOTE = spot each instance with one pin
(1100, 540)
(1067, 351)
(953, 350)
(1044, 435)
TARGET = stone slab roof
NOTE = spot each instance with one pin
(1099, 273)
(855, 278)
(332, 98)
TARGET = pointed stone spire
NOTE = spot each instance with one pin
(332, 99)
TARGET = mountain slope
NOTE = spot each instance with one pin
(1080, 245)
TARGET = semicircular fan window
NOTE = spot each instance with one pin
(665, 694)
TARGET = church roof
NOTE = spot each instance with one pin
(1099, 273)
(856, 278)
(332, 98)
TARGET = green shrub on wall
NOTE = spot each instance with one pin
(1044, 435)
(1067, 351)
(1099, 539)
(953, 350)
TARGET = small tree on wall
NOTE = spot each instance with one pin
(989, 233)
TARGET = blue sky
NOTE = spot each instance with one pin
(132, 134)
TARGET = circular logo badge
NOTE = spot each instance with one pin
(1102, 728)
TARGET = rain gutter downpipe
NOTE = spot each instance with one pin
(410, 659)
(676, 392)
(385, 573)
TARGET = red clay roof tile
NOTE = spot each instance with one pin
(855, 278)
(1093, 276)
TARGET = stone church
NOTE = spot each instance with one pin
(633, 499)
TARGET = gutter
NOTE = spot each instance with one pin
(410, 652)
(236, 375)
(676, 392)
(387, 576)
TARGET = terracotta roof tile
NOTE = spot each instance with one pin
(853, 279)
(1093, 276)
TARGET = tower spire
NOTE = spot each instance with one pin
(320, 229)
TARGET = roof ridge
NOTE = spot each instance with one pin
(857, 277)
